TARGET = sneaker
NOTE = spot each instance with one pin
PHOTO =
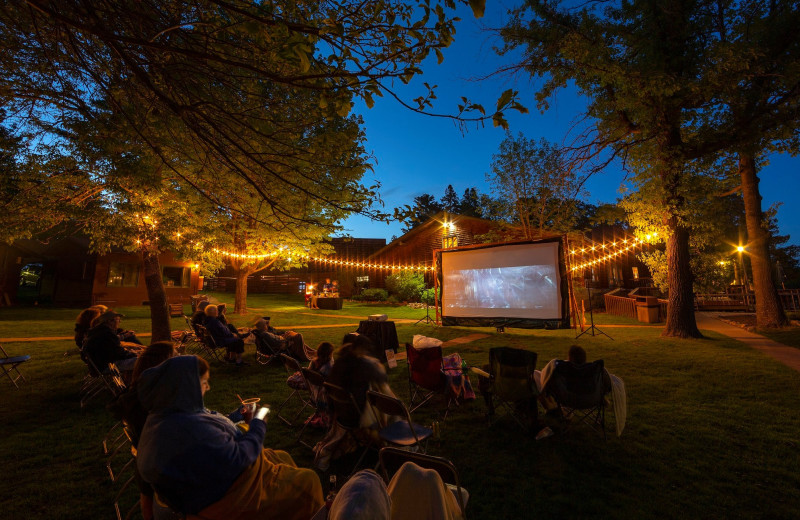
(544, 433)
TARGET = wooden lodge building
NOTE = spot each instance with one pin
(62, 272)
(443, 230)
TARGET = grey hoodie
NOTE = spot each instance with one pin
(190, 455)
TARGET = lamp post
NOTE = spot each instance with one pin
(745, 294)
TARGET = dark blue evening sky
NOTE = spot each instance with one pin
(415, 154)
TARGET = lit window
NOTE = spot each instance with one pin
(635, 273)
(175, 276)
(450, 242)
(123, 275)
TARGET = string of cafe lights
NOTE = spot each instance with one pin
(608, 250)
(330, 261)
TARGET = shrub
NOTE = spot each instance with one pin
(374, 295)
(406, 286)
(427, 296)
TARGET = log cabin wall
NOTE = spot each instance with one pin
(119, 279)
(416, 247)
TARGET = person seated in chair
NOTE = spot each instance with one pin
(103, 345)
(577, 357)
(611, 385)
(199, 316)
(202, 465)
(414, 493)
(355, 371)
(221, 310)
(223, 337)
(84, 322)
(327, 288)
(270, 340)
(267, 341)
(128, 408)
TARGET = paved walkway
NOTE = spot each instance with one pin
(789, 356)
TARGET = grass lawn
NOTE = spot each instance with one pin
(711, 432)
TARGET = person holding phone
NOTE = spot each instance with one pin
(200, 463)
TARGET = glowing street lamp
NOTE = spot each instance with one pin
(740, 249)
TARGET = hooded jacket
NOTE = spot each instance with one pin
(189, 454)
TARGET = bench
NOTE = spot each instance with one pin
(175, 310)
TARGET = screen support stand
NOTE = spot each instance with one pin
(427, 318)
(591, 320)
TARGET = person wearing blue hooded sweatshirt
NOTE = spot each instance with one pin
(201, 464)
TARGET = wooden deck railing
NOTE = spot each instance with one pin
(620, 306)
(624, 306)
(790, 299)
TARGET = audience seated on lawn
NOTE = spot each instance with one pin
(224, 338)
(356, 372)
(103, 346)
(201, 464)
(128, 408)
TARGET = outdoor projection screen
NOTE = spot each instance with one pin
(519, 285)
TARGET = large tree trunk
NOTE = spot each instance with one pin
(159, 313)
(240, 298)
(769, 308)
(681, 321)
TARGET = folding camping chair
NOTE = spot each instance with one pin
(206, 342)
(391, 459)
(97, 382)
(512, 386)
(405, 432)
(299, 389)
(579, 391)
(265, 354)
(426, 377)
(317, 380)
(10, 364)
(186, 340)
(347, 415)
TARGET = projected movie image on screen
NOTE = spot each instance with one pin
(508, 281)
(517, 287)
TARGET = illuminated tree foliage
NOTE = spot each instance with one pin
(234, 109)
(225, 86)
(658, 77)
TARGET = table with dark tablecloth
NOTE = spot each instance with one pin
(330, 303)
(383, 335)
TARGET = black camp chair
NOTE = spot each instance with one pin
(579, 391)
(512, 387)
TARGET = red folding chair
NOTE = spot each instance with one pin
(426, 377)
